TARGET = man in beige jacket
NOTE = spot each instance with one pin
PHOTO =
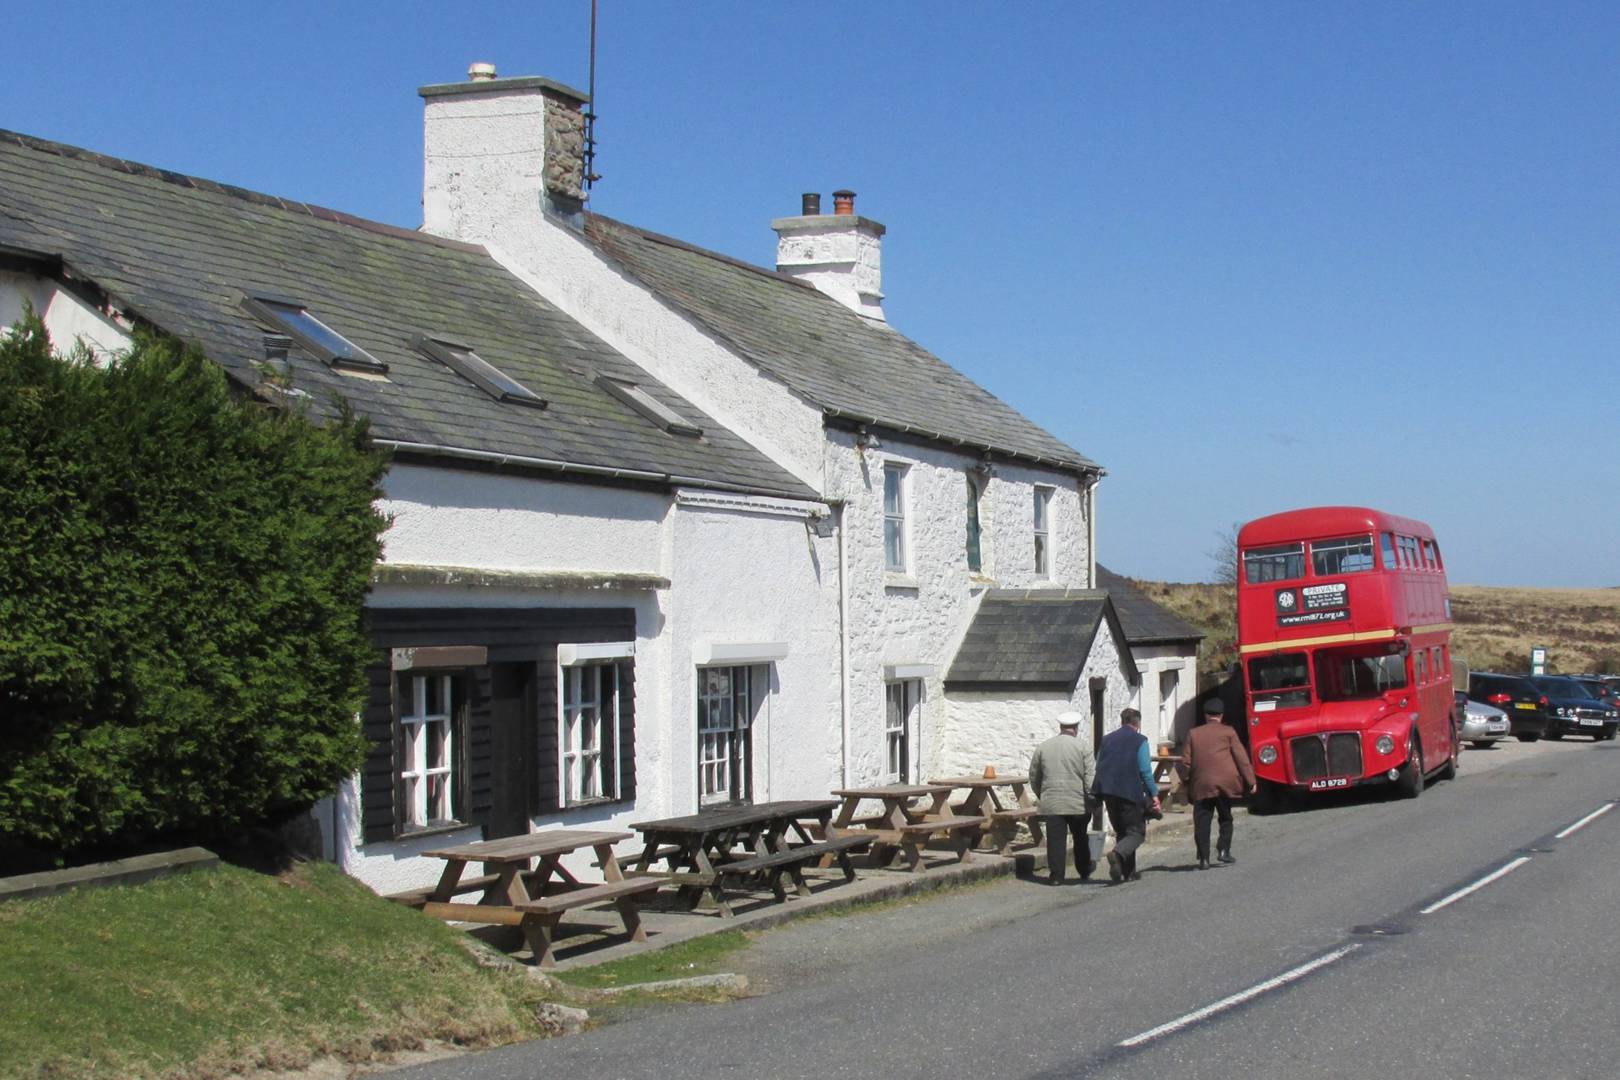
(1060, 773)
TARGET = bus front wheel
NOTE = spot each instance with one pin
(1410, 784)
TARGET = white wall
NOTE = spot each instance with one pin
(743, 570)
(1002, 728)
(920, 618)
(1151, 662)
(458, 517)
(68, 320)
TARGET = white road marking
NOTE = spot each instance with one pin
(1240, 997)
(1499, 872)
(1589, 818)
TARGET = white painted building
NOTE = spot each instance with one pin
(942, 492)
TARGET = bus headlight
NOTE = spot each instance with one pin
(1384, 745)
(1268, 755)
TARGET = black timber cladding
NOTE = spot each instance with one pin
(182, 253)
(1145, 622)
(521, 646)
(849, 367)
(1036, 638)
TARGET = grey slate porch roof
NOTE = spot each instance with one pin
(1145, 622)
(180, 253)
(1035, 638)
(854, 370)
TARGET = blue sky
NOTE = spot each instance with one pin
(1247, 256)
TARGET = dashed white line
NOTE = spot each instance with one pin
(1499, 872)
(1291, 975)
(1588, 819)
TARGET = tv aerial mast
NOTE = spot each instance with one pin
(591, 175)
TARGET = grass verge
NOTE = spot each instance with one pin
(212, 972)
(698, 956)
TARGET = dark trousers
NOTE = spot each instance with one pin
(1058, 826)
(1129, 819)
(1203, 810)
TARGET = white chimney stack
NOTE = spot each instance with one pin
(498, 148)
(841, 254)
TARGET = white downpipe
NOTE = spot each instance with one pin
(843, 651)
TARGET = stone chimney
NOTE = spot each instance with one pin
(839, 253)
(494, 148)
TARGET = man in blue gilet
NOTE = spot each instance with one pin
(1125, 783)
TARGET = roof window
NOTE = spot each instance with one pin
(644, 403)
(315, 336)
(478, 371)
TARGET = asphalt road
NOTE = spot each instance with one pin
(1352, 939)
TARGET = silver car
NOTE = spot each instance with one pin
(1484, 724)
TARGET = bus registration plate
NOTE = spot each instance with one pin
(1330, 782)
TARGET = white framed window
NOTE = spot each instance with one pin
(589, 757)
(1043, 532)
(725, 712)
(902, 708)
(427, 750)
(895, 483)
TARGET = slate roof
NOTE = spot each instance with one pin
(181, 252)
(851, 368)
(1145, 622)
(1033, 638)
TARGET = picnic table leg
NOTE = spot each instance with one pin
(713, 888)
(445, 890)
(846, 814)
(630, 913)
(802, 886)
(610, 865)
(538, 931)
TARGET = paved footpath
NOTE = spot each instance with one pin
(1467, 933)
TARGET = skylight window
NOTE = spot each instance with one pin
(478, 371)
(644, 403)
(315, 336)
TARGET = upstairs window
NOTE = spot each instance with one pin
(1043, 532)
(975, 557)
(1345, 555)
(894, 518)
(486, 376)
(320, 340)
(1281, 562)
(648, 406)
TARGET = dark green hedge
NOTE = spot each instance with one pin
(182, 574)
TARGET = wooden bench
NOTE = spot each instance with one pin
(793, 860)
(1004, 826)
(417, 897)
(909, 839)
(538, 918)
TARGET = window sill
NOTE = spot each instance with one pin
(586, 804)
(411, 832)
(892, 580)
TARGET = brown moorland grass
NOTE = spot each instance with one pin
(1494, 627)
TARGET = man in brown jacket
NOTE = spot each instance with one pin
(1217, 770)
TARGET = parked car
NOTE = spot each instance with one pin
(1482, 724)
(1599, 688)
(1526, 706)
(1574, 710)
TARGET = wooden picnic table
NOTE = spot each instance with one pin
(1167, 774)
(1000, 819)
(903, 828)
(702, 851)
(517, 894)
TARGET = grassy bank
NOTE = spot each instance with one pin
(202, 974)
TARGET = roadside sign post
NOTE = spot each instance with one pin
(1538, 660)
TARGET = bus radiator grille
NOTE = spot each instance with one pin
(1340, 755)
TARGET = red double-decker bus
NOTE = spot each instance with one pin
(1344, 627)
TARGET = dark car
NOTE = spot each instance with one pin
(1599, 688)
(1574, 710)
(1526, 706)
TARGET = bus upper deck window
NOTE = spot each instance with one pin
(1386, 542)
(1284, 562)
(1342, 555)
